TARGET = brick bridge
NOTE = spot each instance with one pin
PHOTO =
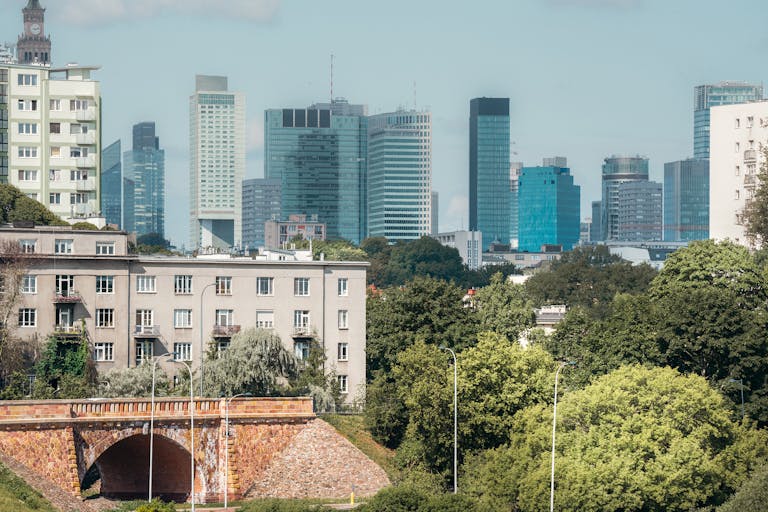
(276, 448)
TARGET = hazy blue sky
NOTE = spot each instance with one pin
(586, 78)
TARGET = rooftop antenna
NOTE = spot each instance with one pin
(414, 95)
(331, 78)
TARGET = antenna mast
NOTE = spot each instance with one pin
(331, 78)
(414, 96)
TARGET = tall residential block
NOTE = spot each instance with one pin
(549, 208)
(319, 157)
(489, 194)
(686, 200)
(112, 184)
(33, 46)
(217, 163)
(145, 168)
(51, 149)
(400, 175)
(618, 170)
(713, 95)
(261, 202)
(735, 159)
(640, 211)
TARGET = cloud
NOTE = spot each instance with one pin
(91, 12)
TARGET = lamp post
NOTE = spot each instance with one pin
(202, 355)
(152, 422)
(741, 386)
(455, 422)
(191, 434)
(226, 448)
(554, 424)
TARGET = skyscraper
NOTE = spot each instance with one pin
(145, 172)
(596, 229)
(618, 170)
(640, 217)
(261, 202)
(112, 184)
(686, 200)
(515, 169)
(489, 189)
(217, 163)
(319, 158)
(549, 208)
(400, 175)
(435, 213)
(707, 96)
(33, 46)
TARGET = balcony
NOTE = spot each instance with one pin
(750, 156)
(750, 179)
(67, 297)
(302, 331)
(225, 331)
(68, 331)
(86, 138)
(88, 185)
(85, 162)
(86, 115)
(146, 331)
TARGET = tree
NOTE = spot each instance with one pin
(65, 365)
(756, 211)
(13, 268)
(503, 307)
(424, 257)
(337, 250)
(15, 206)
(84, 226)
(752, 496)
(133, 382)
(378, 253)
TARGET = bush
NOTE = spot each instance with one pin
(403, 498)
(275, 505)
(157, 506)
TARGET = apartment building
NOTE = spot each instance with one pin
(132, 308)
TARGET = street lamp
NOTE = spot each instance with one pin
(741, 386)
(455, 422)
(554, 424)
(226, 447)
(191, 433)
(152, 422)
(202, 355)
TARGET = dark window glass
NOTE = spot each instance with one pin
(312, 118)
(301, 118)
(325, 119)
(287, 118)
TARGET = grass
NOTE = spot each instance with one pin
(16, 495)
(352, 427)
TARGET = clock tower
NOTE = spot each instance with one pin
(34, 47)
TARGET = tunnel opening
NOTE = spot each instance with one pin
(122, 471)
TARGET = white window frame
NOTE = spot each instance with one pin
(342, 351)
(27, 317)
(27, 152)
(182, 318)
(27, 175)
(343, 287)
(105, 285)
(144, 350)
(343, 381)
(27, 128)
(301, 319)
(145, 317)
(54, 105)
(105, 318)
(27, 80)
(103, 351)
(301, 349)
(28, 245)
(182, 284)
(105, 248)
(228, 317)
(146, 284)
(301, 286)
(182, 351)
(343, 319)
(270, 282)
(54, 198)
(63, 246)
(29, 284)
(267, 320)
(223, 285)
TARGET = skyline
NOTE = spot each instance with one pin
(624, 86)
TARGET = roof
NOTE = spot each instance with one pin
(33, 4)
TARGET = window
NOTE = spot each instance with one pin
(738, 170)
(301, 319)
(65, 285)
(264, 286)
(738, 123)
(54, 128)
(301, 286)
(27, 317)
(738, 147)
(105, 248)
(103, 351)
(55, 105)
(343, 351)
(343, 287)
(29, 284)
(343, 383)
(343, 319)
(105, 318)
(301, 349)
(143, 351)
(27, 175)
(77, 175)
(78, 198)
(182, 318)
(182, 351)
(78, 152)
(27, 79)
(54, 198)
(223, 286)
(27, 128)
(55, 151)
(736, 194)
(27, 152)
(225, 317)
(62, 246)
(28, 246)
(105, 284)
(265, 319)
(221, 346)
(144, 317)
(30, 105)
(54, 174)
(145, 284)
(182, 285)
(78, 105)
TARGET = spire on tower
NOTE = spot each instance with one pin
(33, 4)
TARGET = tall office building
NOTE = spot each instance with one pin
(261, 202)
(50, 143)
(112, 184)
(686, 200)
(640, 211)
(515, 169)
(549, 208)
(217, 163)
(618, 170)
(400, 175)
(145, 173)
(596, 229)
(713, 95)
(489, 195)
(33, 46)
(435, 213)
(319, 158)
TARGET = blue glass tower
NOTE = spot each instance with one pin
(145, 173)
(618, 170)
(549, 208)
(111, 184)
(707, 96)
(489, 166)
(261, 202)
(686, 200)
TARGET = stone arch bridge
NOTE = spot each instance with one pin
(276, 447)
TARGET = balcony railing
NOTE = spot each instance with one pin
(302, 331)
(86, 115)
(225, 331)
(88, 185)
(85, 162)
(86, 138)
(146, 331)
(750, 155)
(67, 297)
(67, 330)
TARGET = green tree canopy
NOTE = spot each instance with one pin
(757, 209)
(503, 307)
(423, 257)
(15, 206)
(752, 496)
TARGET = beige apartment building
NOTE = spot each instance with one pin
(135, 307)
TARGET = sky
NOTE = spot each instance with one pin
(586, 78)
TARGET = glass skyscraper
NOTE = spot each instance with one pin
(489, 168)
(320, 159)
(112, 184)
(549, 208)
(618, 170)
(707, 96)
(400, 175)
(145, 174)
(686, 200)
(640, 218)
(261, 202)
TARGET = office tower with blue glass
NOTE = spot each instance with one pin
(112, 184)
(686, 200)
(144, 213)
(400, 175)
(515, 169)
(261, 202)
(640, 211)
(319, 158)
(618, 170)
(549, 208)
(596, 230)
(714, 95)
(489, 167)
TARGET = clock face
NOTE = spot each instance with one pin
(35, 28)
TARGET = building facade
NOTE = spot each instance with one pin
(33, 46)
(261, 202)
(686, 200)
(217, 164)
(595, 229)
(618, 170)
(129, 308)
(400, 175)
(320, 157)
(53, 142)
(145, 169)
(112, 184)
(549, 208)
(735, 159)
(489, 167)
(435, 206)
(468, 243)
(714, 95)
(515, 169)
(640, 211)
(278, 233)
